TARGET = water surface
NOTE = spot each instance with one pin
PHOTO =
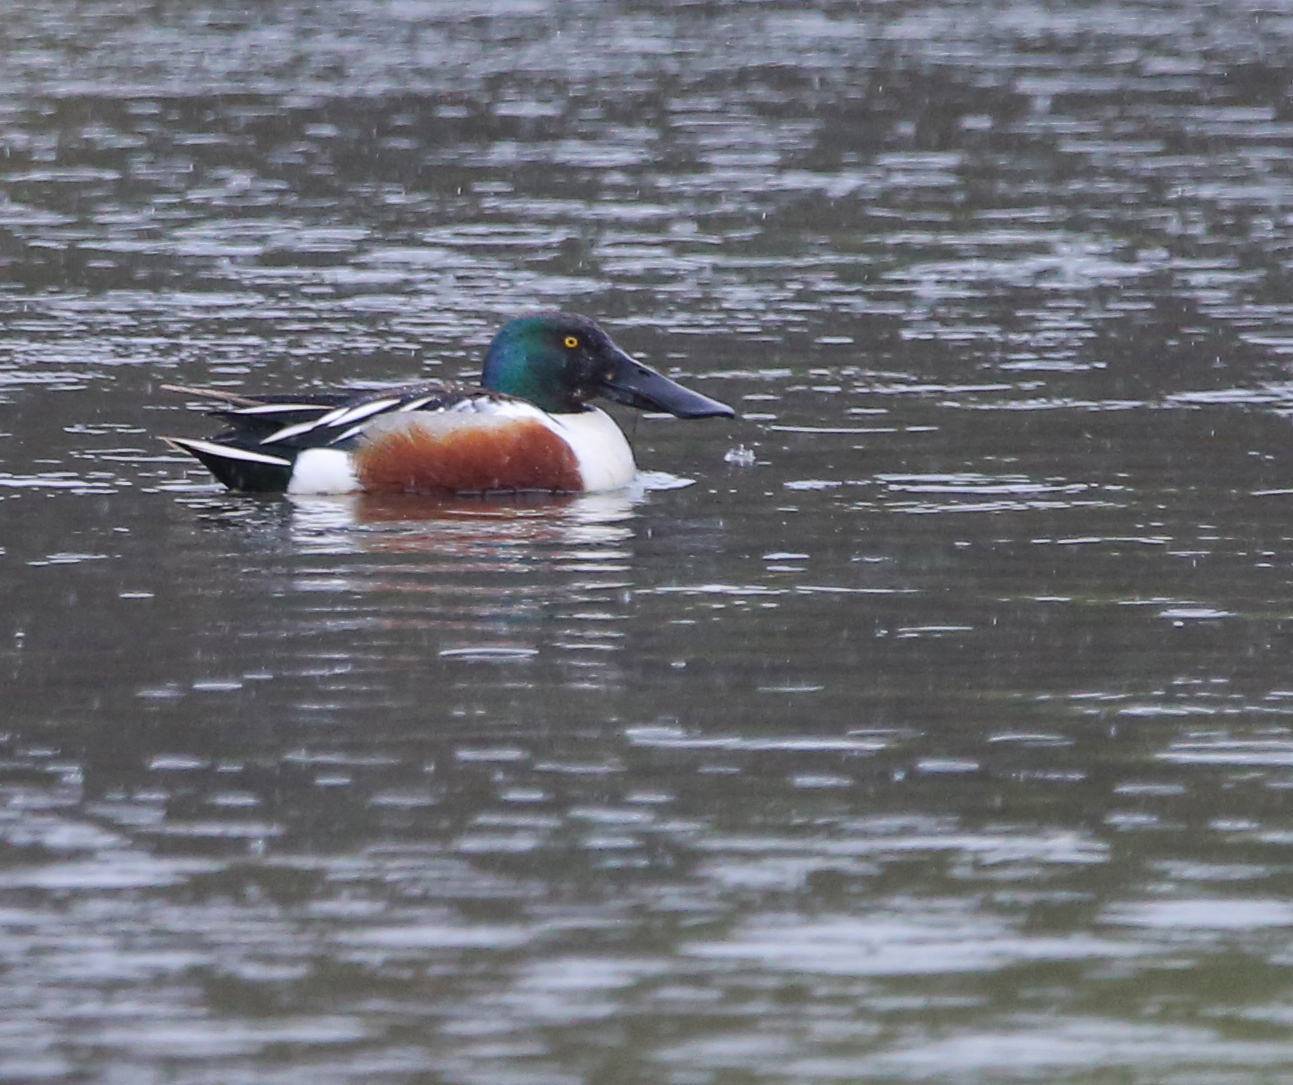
(940, 729)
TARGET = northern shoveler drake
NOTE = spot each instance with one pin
(528, 426)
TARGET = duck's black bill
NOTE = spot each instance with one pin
(640, 386)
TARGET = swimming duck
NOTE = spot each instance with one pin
(528, 426)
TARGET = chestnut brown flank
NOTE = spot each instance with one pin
(519, 454)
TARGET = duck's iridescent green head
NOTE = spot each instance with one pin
(559, 362)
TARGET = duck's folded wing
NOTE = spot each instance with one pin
(284, 423)
(251, 418)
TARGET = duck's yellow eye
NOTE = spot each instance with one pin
(571, 342)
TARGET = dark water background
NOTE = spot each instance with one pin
(949, 741)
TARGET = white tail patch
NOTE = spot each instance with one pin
(323, 471)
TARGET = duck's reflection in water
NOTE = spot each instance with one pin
(512, 581)
(462, 527)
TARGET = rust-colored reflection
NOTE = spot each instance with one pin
(480, 530)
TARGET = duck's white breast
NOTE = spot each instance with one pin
(600, 447)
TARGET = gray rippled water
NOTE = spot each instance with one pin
(930, 721)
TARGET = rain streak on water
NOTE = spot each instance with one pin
(941, 728)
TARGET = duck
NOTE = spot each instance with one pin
(528, 425)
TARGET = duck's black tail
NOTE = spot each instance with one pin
(240, 468)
